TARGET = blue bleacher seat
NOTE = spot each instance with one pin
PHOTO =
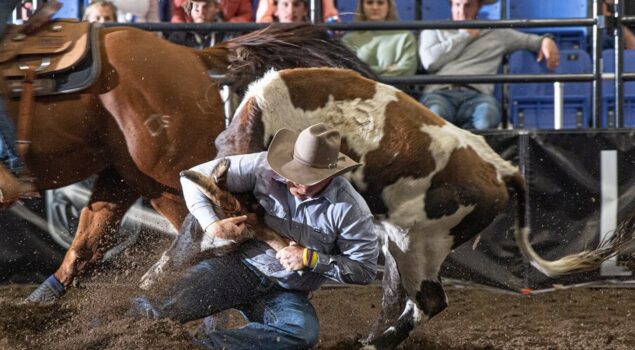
(566, 37)
(405, 8)
(531, 104)
(608, 89)
(440, 9)
(70, 9)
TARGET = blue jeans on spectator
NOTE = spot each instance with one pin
(8, 155)
(277, 318)
(465, 108)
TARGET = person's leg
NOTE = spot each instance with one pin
(209, 287)
(8, 155)
(479, 111)
(282, 319)
(9, 161)
(441, 104)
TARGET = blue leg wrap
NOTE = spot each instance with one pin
(49, 290)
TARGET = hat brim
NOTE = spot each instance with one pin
(280, 158)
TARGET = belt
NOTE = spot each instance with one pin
(458, 87)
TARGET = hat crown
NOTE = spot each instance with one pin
(318, 147)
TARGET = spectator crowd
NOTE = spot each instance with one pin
(390, 53)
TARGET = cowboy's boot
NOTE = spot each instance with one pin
(9, 186)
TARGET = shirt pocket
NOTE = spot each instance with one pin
(322, 238)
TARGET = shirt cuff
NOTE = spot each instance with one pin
(323, 263)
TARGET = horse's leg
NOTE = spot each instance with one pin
(96, 232)
(418, 266)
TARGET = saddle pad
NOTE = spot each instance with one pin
(63, 43)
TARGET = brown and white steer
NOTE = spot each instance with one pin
(431, 185)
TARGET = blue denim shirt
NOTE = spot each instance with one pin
(336, 223)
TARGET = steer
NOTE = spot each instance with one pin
(431, 185)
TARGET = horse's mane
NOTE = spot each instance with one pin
(283, 46)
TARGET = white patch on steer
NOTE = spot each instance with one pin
(360, 120)
(447, 138)
(431, 241)
(416, 312)
(388, 232)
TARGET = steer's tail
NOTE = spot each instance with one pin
(586, 260)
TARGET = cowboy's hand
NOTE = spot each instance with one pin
(230, 228)
(291, 257)
(549, 51)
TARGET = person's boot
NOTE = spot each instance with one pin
(9, 186)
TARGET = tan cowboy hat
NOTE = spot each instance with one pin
(309, 157)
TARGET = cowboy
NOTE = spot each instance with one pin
(469, 52)
(299, 185)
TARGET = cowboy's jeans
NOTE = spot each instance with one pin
(466, 108)
(277, 318)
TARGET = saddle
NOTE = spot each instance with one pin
(63, 55)
(46, 58)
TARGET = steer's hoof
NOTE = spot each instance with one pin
(50, 290)
(142, 308)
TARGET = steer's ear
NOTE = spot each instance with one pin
(206, 184)
(220, 173)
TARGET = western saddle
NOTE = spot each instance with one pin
(56, 58)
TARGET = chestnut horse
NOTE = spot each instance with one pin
(152, 112)
(431, 185)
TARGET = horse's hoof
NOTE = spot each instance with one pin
(50, 290)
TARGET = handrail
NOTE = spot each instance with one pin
(499, 78)
(397, 25)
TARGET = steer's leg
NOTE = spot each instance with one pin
(393, 302)
(418, 254)
(96, 233)
(185, 247)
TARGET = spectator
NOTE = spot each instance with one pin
(629, 37)
(290, 11)
(387, 52)
(267, 10)
(27, 10)
(201, 11)
(131, 11)
(100, 11)
(473, 51)
(234, 11)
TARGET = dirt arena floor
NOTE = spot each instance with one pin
(93, 316)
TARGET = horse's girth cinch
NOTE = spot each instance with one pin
(25, 117)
